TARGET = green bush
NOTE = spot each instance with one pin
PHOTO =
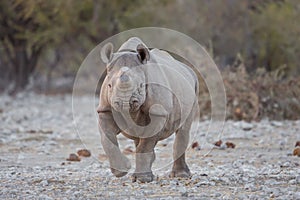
(275, 35)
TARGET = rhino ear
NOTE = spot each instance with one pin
(143, 53)
(106, 52)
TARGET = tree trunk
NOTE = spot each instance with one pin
(24, 65)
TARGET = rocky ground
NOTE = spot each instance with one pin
(37, 134)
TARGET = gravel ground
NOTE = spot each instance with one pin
(37, 134)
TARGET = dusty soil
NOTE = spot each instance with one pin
(37, 134)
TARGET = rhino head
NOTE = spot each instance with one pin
(125, 80)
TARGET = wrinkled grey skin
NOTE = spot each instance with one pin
(145, 102)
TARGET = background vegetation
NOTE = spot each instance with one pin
(42, 43)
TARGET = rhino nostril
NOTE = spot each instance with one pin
(134, 103)
(117, 104)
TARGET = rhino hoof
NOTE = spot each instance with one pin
(143, 177)
(181, 174)
(118, 173)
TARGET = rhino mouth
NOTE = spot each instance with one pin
(132, 105)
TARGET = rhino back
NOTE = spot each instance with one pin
(175, 86)
(164, 58)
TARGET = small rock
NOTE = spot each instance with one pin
(237, 164)
(297, 195)
(223, 146)
(202, 183)
(282, 143)
(29, 192)
(84, 153)
(253, 197)
(32, 131)
(276, 123)
(245, 179)
(163, 182)
(296, 151)
(249, 186)
(174, 182)
(292, 182)
(243, 125)
(242, 196)
(271, 182)
(51, 142)
(230, 145)
(167, 198)
(218, 194)
(185, 194)
(46, 131)
(44, 183)
(274, 192)
(195, 146)
(44, 197)
(225, 180)
(183, 191)
(246, 126)
(203, 174)
(73, 157)
(286, 164)
(298, 179)
(218, 143)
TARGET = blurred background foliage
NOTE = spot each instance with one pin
(42, 43)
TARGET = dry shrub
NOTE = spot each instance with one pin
(262, 95)
(259, 95)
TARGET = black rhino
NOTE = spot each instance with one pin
(147, 96)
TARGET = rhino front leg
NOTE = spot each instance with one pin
(180, 168)
(119, 164)
(144, 158)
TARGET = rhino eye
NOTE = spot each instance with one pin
(109, 85)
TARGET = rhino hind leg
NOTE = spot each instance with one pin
(180, 168)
